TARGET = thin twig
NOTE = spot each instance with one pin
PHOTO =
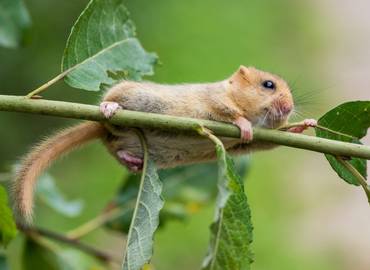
(95, 223)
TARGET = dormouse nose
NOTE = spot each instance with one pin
(284, 103)
(286, 107)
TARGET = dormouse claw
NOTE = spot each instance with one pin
(246, 130)
(109, 108)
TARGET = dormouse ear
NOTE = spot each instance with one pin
(243, 70)
(240, 76)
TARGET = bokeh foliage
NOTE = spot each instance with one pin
(204, 41)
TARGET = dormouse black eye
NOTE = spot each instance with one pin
(269, 85)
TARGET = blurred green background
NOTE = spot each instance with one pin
(304, 217)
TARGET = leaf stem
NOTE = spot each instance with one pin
(361, 180)
(102, 256)
(208, 134)
(144, 145)
(179, 124)
(46, 85)
(335, 132)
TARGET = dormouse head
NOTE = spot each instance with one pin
(264, 98)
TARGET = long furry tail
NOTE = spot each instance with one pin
(41, 156)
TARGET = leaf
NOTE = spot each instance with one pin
(48, 192)
(171, 211)
(3, 262)
(103, 49)
(8, 229)
(185, 189)
(231, 233)
(352, 120)
(145, 220)
(14, 21)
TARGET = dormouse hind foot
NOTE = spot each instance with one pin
(246, 130)
(109, 108)
(134, 164)
(307, 123)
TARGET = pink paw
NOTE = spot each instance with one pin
(109, 108)
(133, 163)
(310, 122)
(246, 130)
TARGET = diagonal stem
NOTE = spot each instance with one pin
(96, 223)
(48, 84)
(361, 180)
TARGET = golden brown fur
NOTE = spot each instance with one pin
(239, 96)
(44, 154)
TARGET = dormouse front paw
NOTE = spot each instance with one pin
(310, 122)
(109, 108)
(246, 129)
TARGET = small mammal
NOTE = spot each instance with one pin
(248, 98)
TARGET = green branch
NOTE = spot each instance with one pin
(172, 123)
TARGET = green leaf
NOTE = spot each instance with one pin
(103, 49)
(231, 233)
(125, 200)
(8, 229)
(351, 121)
(14, 21)
(145, 220)
(3, 262)
(48, 192)
(183, 192)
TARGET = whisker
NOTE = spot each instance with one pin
(306, 98)
(265, 118)
(303, 114)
